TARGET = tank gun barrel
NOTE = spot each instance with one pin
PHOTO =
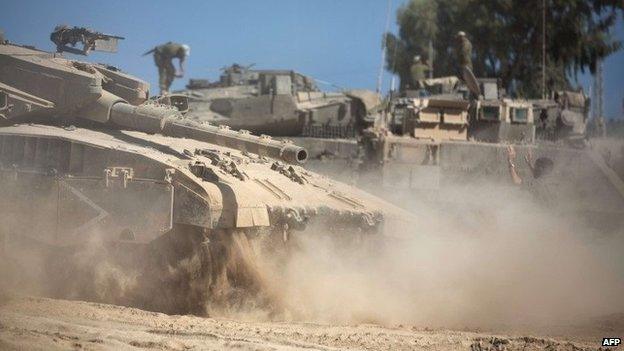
(222, 135)
(157, 119)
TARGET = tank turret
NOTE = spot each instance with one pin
(281, 103)
(63, 91)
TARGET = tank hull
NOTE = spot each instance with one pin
(410, 172)
(171, 215)
(123, 181)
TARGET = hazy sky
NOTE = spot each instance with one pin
(337, 41)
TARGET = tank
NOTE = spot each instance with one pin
(278, 103)
(86, 157)
(287, 104)
(438, 143)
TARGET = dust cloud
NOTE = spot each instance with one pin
(88, 272)
(500, 261)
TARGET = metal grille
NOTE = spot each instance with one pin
(329, 131)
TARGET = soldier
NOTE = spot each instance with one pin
(163, 57)
(463, 49)
(418, 72)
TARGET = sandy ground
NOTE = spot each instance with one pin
(32, 323)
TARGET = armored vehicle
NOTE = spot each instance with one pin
(278, 103)
(562, 117)
(86, 158)
(287, 104)
(437, 143)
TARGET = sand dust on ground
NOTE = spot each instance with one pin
(32, 323)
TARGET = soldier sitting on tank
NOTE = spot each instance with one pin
(163, 58)
(541, 170)
(418, 72)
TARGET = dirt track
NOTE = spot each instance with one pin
(46, 324)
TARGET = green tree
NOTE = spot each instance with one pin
(507, 38)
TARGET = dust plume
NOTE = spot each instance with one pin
(499, 263)
(497, 260)
(88, 272)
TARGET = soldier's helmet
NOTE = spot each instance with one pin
(461, 33)
(187, 50)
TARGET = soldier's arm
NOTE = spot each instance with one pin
(511, 156)
(515, 178)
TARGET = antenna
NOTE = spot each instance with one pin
(599, 91)
(598, 100)
(543, 49)
(383, 48)
(431, 58)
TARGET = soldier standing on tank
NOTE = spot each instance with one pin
(463, 50)
(418, 72)
(163, 57)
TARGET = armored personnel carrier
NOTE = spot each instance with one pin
(85, 158)
(439, 142)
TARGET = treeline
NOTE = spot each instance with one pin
(507, 38)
